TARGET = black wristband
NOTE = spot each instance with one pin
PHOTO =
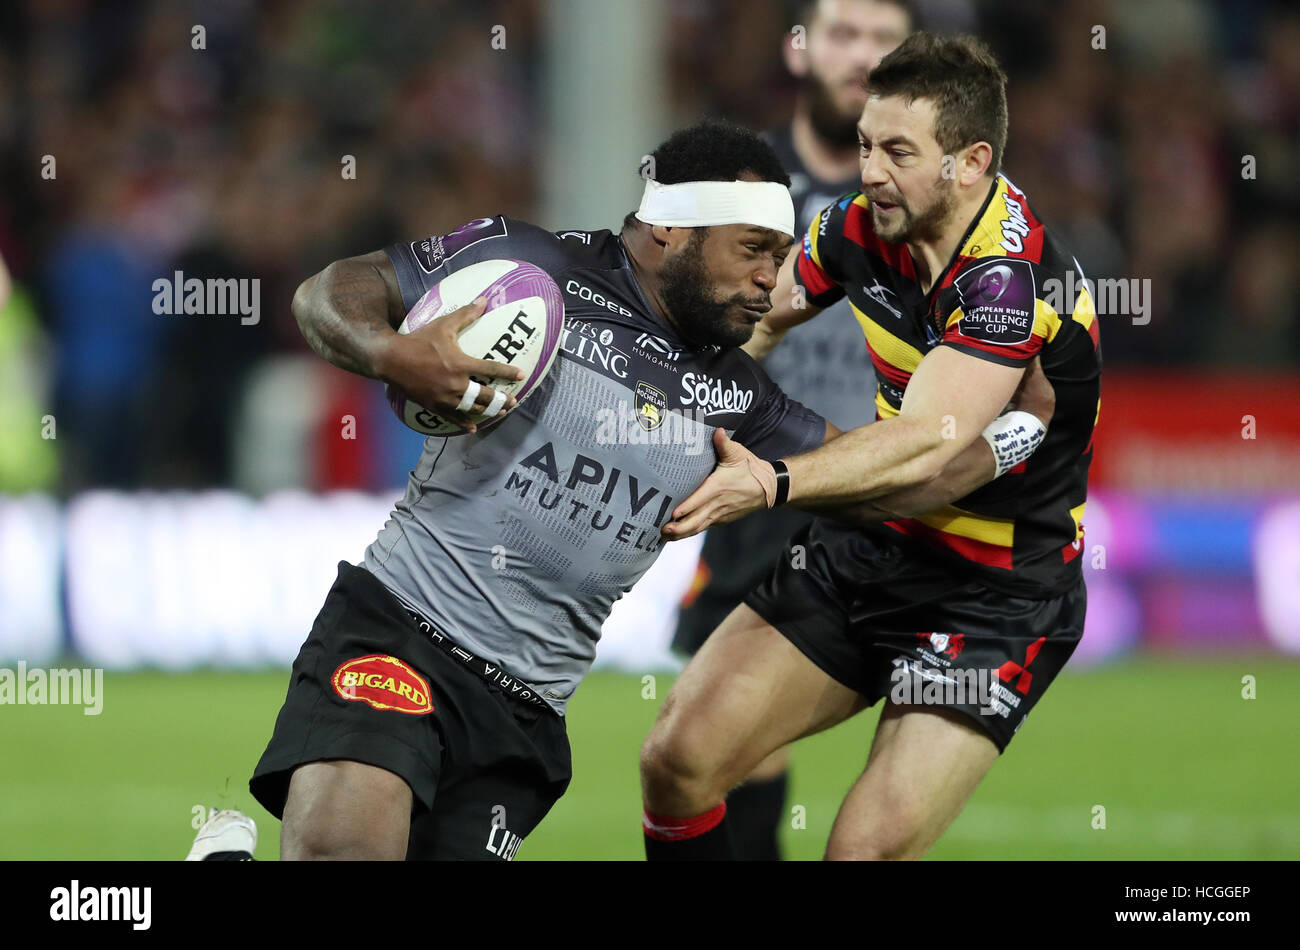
(782, 482)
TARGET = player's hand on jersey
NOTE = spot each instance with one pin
(1035, 393)
(431, 368)
(741, 483)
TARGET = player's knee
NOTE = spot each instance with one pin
(316, 838)
(666, 760)
(892, 842)
(884, 848)
(675, 765)
(307, 840)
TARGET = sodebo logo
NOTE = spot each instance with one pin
(712, 396)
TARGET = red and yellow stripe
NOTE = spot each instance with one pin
(980, 538)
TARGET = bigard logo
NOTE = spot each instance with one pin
(383, 682)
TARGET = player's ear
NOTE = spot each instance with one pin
(670, 239)
(663, 235)
(973, 163)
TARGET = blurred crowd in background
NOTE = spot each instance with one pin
(226, 162)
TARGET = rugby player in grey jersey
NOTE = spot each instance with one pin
(425, 712)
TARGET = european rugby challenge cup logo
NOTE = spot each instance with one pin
(993, 283)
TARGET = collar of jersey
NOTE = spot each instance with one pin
(964, 243)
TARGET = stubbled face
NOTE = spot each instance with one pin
(846, 40)
(903, 170)
(718, 283)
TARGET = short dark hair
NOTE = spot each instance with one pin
(962, 77)
(712, 150)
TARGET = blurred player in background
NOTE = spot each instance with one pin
(823, 363)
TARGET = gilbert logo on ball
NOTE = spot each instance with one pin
(384, 682)
(522, 327)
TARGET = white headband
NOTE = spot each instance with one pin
(695, 204)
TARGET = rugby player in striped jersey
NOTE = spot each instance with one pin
(955, 282)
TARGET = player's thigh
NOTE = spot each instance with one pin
(923, 766)
(345, 810)
(748, 692)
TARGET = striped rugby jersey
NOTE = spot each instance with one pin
(1010, 293)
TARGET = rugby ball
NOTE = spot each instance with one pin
(522, 326)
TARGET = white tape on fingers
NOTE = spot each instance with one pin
(467, 400)
(498, 400)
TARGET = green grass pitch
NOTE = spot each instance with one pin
(1184, 766)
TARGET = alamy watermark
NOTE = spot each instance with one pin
(86, 902)
(913, 684)
(1111, 296)
(55, 687)
(178, 295)
(652, 423)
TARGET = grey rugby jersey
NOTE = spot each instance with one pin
(517, 541)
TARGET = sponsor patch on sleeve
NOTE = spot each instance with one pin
(997, 302)
(433, 252)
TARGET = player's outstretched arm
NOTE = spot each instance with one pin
(974, 468)
(949, 401)
(349, 313)
(789, 309)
